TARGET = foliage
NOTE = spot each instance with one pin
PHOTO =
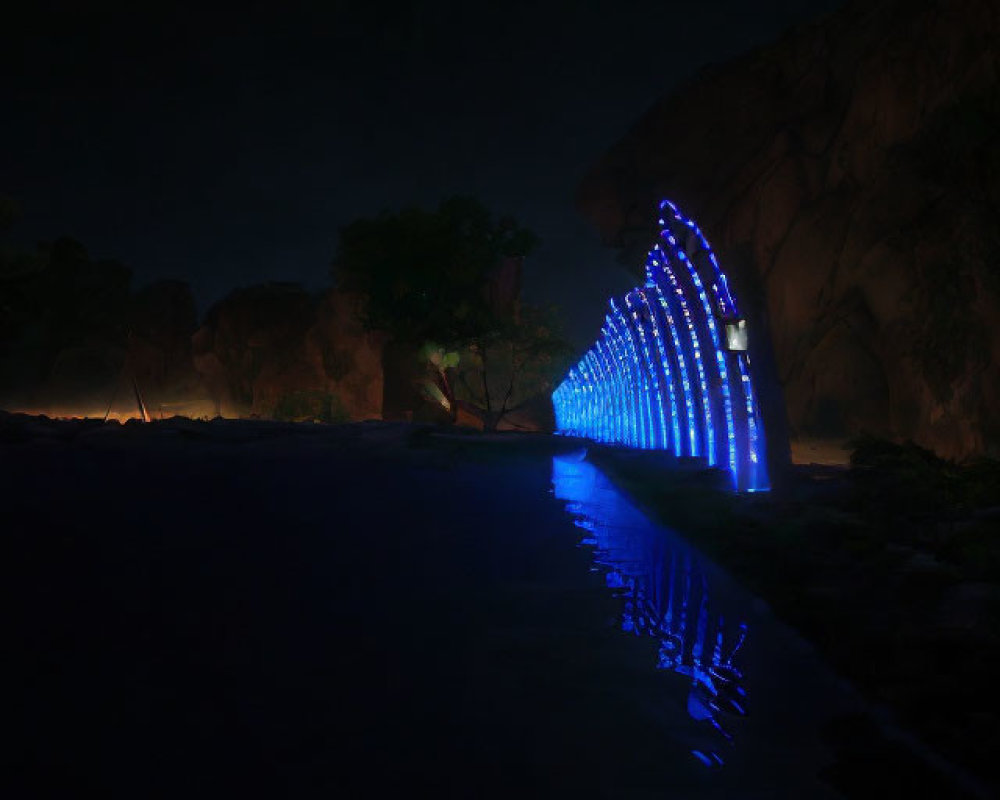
(437, 385)
(423, 273)
(54, 301)
(447, 281)
(913, 480)
(310, 406)
(905, 476)
(503, 368)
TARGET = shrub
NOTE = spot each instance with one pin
(310, 405)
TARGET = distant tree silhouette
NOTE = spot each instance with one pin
(63, 315)
(445, 283)
(504, 368)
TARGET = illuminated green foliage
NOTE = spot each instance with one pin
(448, 283)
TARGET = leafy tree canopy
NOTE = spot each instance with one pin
(444, 282)
(423, 273)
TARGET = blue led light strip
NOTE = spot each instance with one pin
(610, 353)
(662, 428)
(720, 360)
(652, 264)
(727, 305)
(645, 407)
(577, 404)
(624, 365)
(594, 414)
(615, 393)
(706, 398)
(563, 408)
(574, 408)
(618, 411)
(569, 401)
(630, 364)
(654, 326)
(645, 411)
(757, 482)
(610, 423)
(720, 286)
(608, 397)
(587, 408)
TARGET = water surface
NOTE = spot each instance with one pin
(742, 694)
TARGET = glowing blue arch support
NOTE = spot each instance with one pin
(671, 369)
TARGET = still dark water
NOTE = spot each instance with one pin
(335, 612)
(742, 694)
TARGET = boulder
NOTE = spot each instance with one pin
(279, 351)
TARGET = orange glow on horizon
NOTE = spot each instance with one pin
(199, 411)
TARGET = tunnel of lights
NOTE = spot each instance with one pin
(670, 370)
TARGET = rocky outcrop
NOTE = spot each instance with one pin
(75, 340)
(278, 351)
(848, 176)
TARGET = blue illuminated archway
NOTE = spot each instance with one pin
(670, 370)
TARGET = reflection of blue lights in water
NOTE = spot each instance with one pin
(665, 595)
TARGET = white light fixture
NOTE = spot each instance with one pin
(736, 336)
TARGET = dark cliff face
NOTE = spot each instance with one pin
(849, 177)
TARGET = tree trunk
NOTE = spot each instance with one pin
(399, 374)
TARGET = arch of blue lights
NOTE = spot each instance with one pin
(670, 370)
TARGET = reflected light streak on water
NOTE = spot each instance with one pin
(665, 595)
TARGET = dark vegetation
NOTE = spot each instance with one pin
(305, 406)
(442, 286)
(63, 318)
(891, 567)
(70, 324)
(445, 285)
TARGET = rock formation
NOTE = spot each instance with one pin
(278, 351)
(848, 176)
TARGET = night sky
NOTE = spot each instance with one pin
(227, 150)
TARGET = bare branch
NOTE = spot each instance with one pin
(486, 385)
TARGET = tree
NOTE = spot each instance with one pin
(435, 282)
(423, 273)
(503, 369)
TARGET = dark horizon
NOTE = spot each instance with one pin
(227, 151)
